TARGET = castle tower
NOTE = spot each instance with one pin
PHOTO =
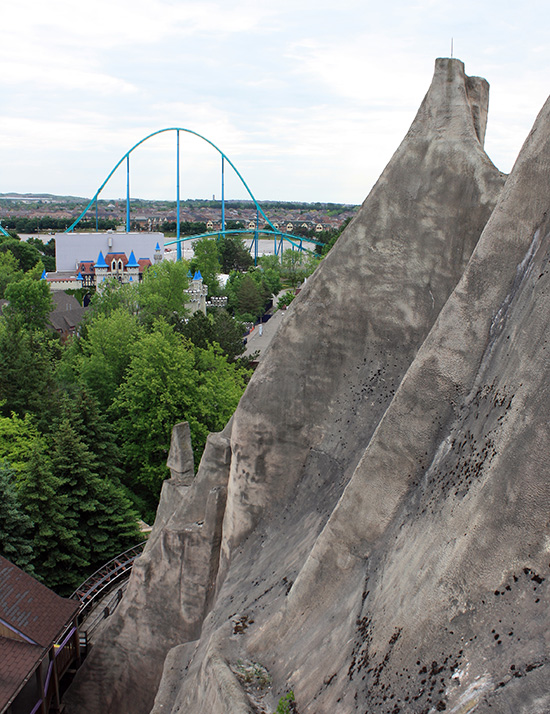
(101, 270)
(157, 258)
(197, 292)
(131, 274)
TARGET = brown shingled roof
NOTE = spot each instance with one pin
(32, 619)
(18, 661)
(30, 607)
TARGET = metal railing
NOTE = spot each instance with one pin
(96, 585)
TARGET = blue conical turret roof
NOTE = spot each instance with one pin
(43, 276)
(157, 247)
(197, 275)
(79, 276)
(100, 262)
(132, 262)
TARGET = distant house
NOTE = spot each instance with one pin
(67, 314)
(38, 642)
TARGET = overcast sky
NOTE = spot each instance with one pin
(308, 98)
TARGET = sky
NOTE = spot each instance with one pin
(309, 99)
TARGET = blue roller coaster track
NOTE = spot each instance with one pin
(296, 242)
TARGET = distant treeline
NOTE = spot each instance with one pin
(197, 203)
(34, 224)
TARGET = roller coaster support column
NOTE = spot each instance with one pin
(178, 226)
(96, 217)
(128, 193)
(256, 240)
(223, 198)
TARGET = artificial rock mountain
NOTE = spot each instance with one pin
(372, 526)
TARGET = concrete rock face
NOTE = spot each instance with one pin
(372, 525)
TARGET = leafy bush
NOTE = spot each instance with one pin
(286, 704)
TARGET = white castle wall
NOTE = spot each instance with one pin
(71, 248)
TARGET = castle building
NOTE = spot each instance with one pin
(90, 273)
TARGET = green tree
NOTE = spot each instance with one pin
(114, 296)
(234, 255)
(206, 259)
(30, 303)
(228, 334)
(26, 369)
(96, 433)
(15, 524)
(47, 252)
(220, 328)
(158, 391)
(168, 381)
(17, 440)
(249, 297)
(105, 521)
(162, 292)
(271, 277)
(27, 255)
(220, 385)
(199, 328)
(9, 271)
(100, 358)
(59, 556)
(297, 266)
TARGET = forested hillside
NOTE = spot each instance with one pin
(85, 423)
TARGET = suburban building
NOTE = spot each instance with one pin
(66, 315)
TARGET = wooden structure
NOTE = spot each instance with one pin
(38, 642)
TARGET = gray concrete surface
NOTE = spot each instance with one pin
(349, 528)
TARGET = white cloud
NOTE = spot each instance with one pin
(308, 98)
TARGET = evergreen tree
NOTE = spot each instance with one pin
(103, 515)
(26, 369)
(249, 297)
(234, 254)
(199, 329)
(229, 333)
(115, 520)
(15, 524)
(59, 555)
